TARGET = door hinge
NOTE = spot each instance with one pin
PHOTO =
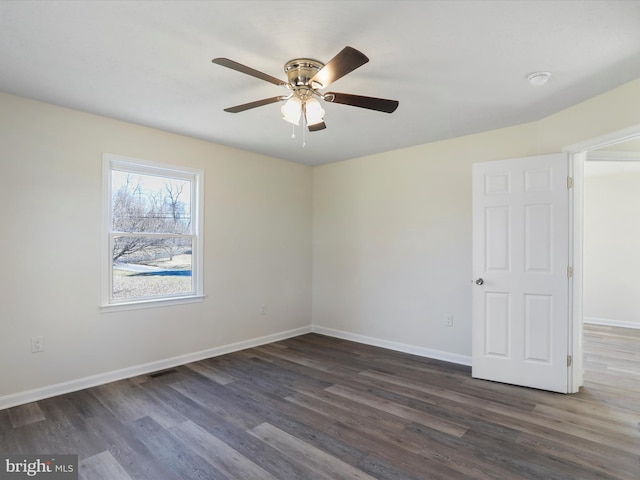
(569, 182)
(569, 360)
(569, 272)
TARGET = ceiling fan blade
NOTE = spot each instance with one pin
(225, 62)
(318, 126)
(346, 61)
(250, 105)
(372, 103)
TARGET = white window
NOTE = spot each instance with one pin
(153, 240)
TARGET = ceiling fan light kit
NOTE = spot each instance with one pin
(305, 80)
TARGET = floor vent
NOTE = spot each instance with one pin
(161, 373)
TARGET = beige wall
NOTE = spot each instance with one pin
(610, 112)
(392, 232)
(257, 248)
(611, 253)
(392, 240)
(381, 251)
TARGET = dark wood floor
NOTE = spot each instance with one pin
(315, 407)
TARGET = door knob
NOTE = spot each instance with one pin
(479, 281)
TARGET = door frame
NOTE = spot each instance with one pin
(577, 156)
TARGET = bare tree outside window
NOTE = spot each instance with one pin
(152, 240)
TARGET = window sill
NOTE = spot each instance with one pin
(142, 304)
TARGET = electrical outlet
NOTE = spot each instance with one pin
(449, 321)
(263, 309)
(37, 344)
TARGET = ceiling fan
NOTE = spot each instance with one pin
(305, 80)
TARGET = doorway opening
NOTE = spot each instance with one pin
(580, 154)
(611, 303)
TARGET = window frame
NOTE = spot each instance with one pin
(111, 162)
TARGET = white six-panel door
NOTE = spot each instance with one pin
(520, 260)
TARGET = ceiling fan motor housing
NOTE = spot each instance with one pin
(300, 72)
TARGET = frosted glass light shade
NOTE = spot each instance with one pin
(314, 111)
(292, 110)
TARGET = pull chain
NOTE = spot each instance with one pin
(304, 125)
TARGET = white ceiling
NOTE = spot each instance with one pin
(457, 67)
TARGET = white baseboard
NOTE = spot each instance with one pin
(34, 395)
(611, 323)
(400, 347)
(28, 396)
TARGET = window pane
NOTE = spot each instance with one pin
(148, 203)
(151, 267)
